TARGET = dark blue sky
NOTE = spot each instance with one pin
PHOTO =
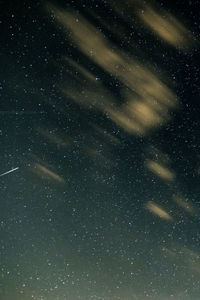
(99, 114)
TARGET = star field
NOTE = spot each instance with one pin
(100, 165)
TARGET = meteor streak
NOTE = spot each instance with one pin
(12, 170)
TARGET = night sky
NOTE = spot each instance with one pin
(100, 150)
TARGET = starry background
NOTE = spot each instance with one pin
(98, 209)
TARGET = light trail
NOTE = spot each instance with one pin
(10, 171)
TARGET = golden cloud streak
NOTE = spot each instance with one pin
(54, 138)
(162, 23)
(160, 170)
(186, 205)
(148, 101)
(43, 171)
(166, 27)
(157, 210)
